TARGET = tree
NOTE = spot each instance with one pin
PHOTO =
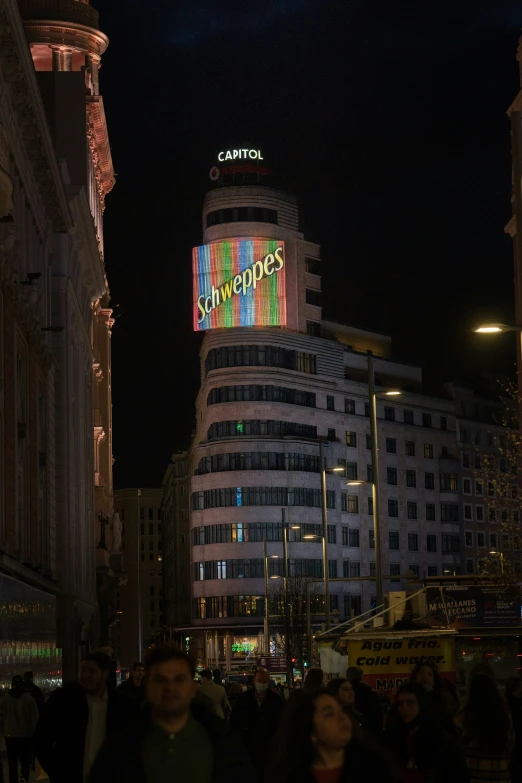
(498, 471)
(288, 615)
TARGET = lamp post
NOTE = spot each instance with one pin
(138, 567)
(324, 537)
(266, 623)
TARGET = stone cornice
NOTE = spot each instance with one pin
(84, 234)
(17, 69)
(53, 31)
(100, 147)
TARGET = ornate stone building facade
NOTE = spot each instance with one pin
(55, 392)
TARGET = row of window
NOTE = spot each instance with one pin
(228, 429)
(260, 496)
(448, 482)
(449, 512)
(494, 540)
(494, 515)
(152, 529)
(450, 542)
(257, 393)
(391, 445)
(257, 460)
(390, 414)
(489, 487)
(254, 568)
(241, 215)
(260, 356)
(150, 513)
(249, 532)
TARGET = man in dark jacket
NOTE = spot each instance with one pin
(256, 716)
(76, 721)
(134, 687)
(175, 737)
(366, 701)
(33, 690)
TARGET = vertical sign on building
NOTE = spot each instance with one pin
(240, 282)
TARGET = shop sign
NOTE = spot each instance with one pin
(388, 663)
(240, 282)
(242, 154)
(472, 606)
(273, 663)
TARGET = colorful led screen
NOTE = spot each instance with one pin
(240, 282)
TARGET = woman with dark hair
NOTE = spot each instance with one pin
(343, 691)
(423, 751)
(313, 679)
(487, 733)
(440, 699)
(317, 742)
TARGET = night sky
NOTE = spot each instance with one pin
(386, 120)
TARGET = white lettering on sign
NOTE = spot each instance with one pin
(240, 155)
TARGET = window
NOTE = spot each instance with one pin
(313, 265)
(332, 534)
(449, 512)
(366, 409)
(351, 471)
(393, 537)
(151, 527)
(313, 297)
(260, 496)
(432, 570)
(429, 481)
(368, 441)
(481, 540)
(470, 566)
(392, 476)
(430, 512)
(371, 539)
(477, 461)
(414, 568)
(349, 503)
(410, 448)
(426, 419)
(466, 486)
(349, 406)
(351, 568)
(391, 445)
(332, 569)
(479, 513)
(389, 413)
(393, 508)
(372, 569)
(261, 393)
(370, 506)
(468, 511)
(493, 540)
(465, 460)
(450, 542)
(151, 513)
(369, 473)
(241, 215)
(350, 537)
(465, 435)
(352, 605)
(411, 478)
(260, 356)
(431, 543)
(313, 328)
(413, 542)
(443, 423)
(408, 417)
(330, 403)
(428, 451)
(331, 435)
(395, 571)
(448, 482)
(227, 429)
(351, 439)
(468, 538)
(412, 509)
(142, 529)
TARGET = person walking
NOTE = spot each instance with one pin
(487, 733)
(314, 679)
(77, 719)
(422, 750)
(366, 701)
(256, 717)
(18, 719)
(216, 693)
(174, 737)
(134, 687)
(34, 691)
(440, 697)
(319, 743)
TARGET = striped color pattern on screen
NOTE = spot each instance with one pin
(215, 267)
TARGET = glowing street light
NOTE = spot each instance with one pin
(495, 328)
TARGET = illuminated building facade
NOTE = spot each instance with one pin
(55, 414)
(268, 395)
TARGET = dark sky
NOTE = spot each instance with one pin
(388, 122)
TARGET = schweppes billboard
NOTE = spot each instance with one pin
(388, 662)
(240, 282)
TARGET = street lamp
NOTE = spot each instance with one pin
(495, 328)
(266, 628)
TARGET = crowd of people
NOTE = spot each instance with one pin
(161, 725)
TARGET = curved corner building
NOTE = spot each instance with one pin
(276, 378)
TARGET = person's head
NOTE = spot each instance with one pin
(206, 676)
(410, 703)
(313, 679)
(481, 668)
(28, 678)
(170, 685)
(427, 675)
(354, 674)
(94, 671)
(513, 688)
(313, 724)
(486, 720)
(138, 673)
(236, 689)
(261, 681)
(343, 691)
(17, 682)
(216, 676)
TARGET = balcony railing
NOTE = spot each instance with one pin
(60, 10)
